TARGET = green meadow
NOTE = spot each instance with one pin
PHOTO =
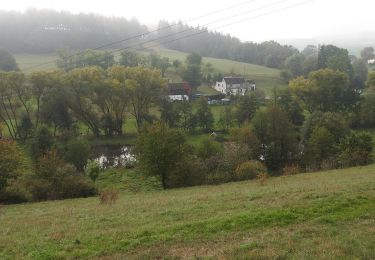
(322, 215)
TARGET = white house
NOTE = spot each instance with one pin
(235, 86)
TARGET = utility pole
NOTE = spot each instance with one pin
(274, 96)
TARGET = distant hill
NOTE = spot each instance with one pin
(354, 43)
(45, 31)
(265, 78)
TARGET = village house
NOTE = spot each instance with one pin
(179, 91)
(235, 86)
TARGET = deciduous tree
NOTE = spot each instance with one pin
(277, 137)
(193, 70)
(367, 54)
(204, 116)
(12, 164)
(325, 90)
(335, 58)
(144, 87)
(7, 61)
(14, 96)
(159, 150)
(82, 84)
(320, 146)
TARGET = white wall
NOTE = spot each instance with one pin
(178, 97)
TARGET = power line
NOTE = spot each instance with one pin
(203, 31)
(222, 26)
(173, 25)
(142, 35)
(216, 21)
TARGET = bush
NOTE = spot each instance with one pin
(55, 179)
(77, 153)
(73, 184)
(12, 166)
(356, 149)
(219, 177)
(291, 170)
(262, 177)
(189, 172)
(41, 143)
(320, 149)
(14, 193)
(108, 196)
(92, 169)
(214, 163)
(40, 190)
(208, 148)
(10, 159)
(223, 168)
(234, 155)
(249, 170)
(246, 136)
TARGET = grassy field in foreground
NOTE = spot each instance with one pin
(325, 215)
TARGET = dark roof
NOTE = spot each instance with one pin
(215, 96)
(182, 88)
(234, 80)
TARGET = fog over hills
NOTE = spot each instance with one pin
(354, 42)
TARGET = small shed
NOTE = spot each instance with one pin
(179, 91)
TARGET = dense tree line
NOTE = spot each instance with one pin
(45, 31)
(100, 99)
(214, 44)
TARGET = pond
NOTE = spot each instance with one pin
(113, 156)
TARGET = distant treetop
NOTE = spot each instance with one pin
(7, 61)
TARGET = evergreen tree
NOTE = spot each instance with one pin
(204, 116)
(7, 61)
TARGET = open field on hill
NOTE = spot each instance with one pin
(265, 78)
(25, 61)
(324, 215)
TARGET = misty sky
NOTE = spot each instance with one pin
(310, 20)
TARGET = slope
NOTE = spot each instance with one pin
(316, 215)
(265, 78)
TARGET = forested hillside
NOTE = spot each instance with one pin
(214, 44)
(44, 31)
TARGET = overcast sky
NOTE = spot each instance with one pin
(309, 20)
